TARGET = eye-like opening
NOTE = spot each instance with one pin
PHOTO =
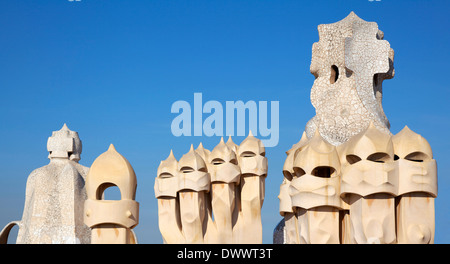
(298, 172)
(247, 154)
(417, 157)
(186, 169)
(348, 72)
(165, 175)
(263, 154)
(217, 161)
(379, 157)
(323, 171)
(234, 161)
(334, 74)
(352, 159)
(287, 175)
(375, 80)
(69, 153)
(203, 169)
(108, 191)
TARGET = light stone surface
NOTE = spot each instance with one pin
(55, 194)
(213, 196)
(350, 62)
(373, 187)
(417, 188)
(111, 221)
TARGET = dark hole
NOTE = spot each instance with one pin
(187, 170)
(298, 172)
(334, 74)
(375, 80)
(323, 171)
(218, 161)
(417, 156)
(248, 154)
(351, 159)
(287, 175)
(379, 157)
(348, 73)
(165, 175)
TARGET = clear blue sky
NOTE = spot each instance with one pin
(112, 69)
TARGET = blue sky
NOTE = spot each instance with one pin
(112, 69)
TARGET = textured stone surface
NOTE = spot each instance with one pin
(370, 186)
(349, 61)
(279, 233)
(55, 194)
